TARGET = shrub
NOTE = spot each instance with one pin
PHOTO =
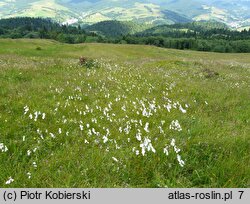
(88, 63)
(82, 60)
(208, 73)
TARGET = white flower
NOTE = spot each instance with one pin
(146, 145)
(105, 139)
(34, 164)
(176, 149)
(127, 129)
(3, 147)
(165, 150)
(30, 116)
(81, 127)
(143, 151)
(168, 107)
(116, 160)
(175, 125)
(93, 130)
(89, 133)
(138, 135)
(28, 152)
(146, 127)
(181, 162)
(43, 116)
(120, 129)
(26, 110)
(124, 108)
(161, 130)
(182, 110)
(52, 135)
(29, 175)
(144, 112)
(140, 122)
(9, 181)
(173, 142)
(150, 147)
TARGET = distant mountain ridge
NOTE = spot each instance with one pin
(235, 13)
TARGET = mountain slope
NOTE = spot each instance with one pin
(116, 28)
(232, 12)
(35, 8)
(184, 27)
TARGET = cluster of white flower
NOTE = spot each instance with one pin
(29, 175)
(26, 109)
(35, 115)
(176, 150)
(10, 180)
(3, 148)
(175, 125)
(114, 114)
(147, 146)
(34, 165)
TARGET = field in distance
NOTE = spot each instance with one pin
(129, 116)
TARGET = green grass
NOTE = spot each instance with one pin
(214, 140)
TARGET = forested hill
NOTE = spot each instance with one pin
(117, 28)
(202, 36)
(26, 27)
(26, 23)
(194, 27)
(201, 30)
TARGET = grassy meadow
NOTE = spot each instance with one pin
(139, 116)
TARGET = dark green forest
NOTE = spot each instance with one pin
(201, 36)
(43, 28)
